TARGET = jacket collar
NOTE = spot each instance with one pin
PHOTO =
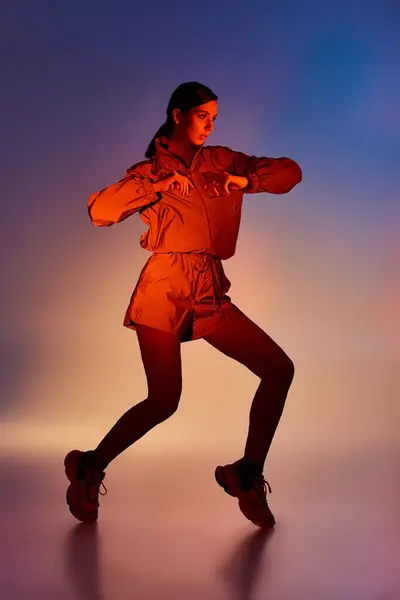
(168, 160)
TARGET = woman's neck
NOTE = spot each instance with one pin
(182, 148)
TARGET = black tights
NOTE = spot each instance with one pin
(265, 413)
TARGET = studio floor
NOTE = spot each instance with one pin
(166, 530)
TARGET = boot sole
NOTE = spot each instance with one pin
(88, 518)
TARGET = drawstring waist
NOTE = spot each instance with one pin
(204, 262)
(214, 264)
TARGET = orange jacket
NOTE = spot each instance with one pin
(197, 222)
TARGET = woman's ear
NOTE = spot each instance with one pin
(176, 115)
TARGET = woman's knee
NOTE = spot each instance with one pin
(288, 370)
(281, 368)
(164, 403)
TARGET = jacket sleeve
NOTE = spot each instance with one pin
(119, 201)
(273, 175)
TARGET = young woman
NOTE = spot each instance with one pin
(190, 196)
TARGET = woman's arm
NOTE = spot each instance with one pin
(119, 201)
(273, 175)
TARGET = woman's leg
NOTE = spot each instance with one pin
(241, 339)
(161, 355)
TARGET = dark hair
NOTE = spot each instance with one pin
(186, 96)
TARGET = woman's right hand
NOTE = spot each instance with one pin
(173, 181)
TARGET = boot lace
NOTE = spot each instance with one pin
(263, 486)
(92, 481)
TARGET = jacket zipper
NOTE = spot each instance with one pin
(201, 198)
(204, 210)
(188, 172)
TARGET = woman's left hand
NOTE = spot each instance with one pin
(224, 183)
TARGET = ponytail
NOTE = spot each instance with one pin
(165, 129)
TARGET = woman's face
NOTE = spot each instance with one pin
(196, 124)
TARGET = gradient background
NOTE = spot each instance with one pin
(84, 88)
